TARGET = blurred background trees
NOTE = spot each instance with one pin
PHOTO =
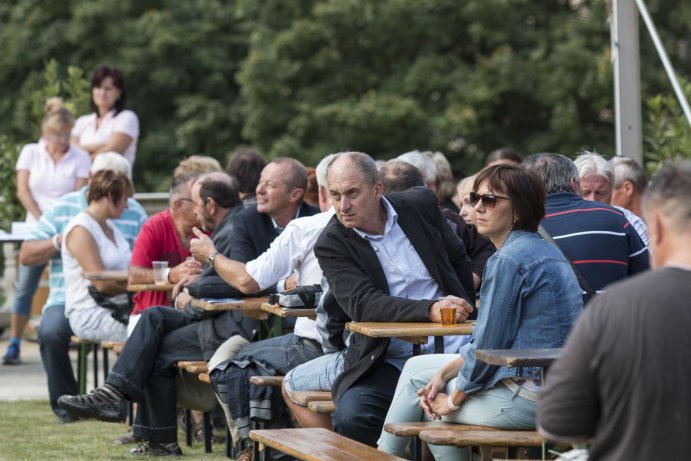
(304, 78)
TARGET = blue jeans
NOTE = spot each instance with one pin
(145, 370)
(315, 375)
(496, 407)
(282, 353)
(54, 342)
(29, 276)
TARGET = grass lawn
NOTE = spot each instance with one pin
(28, 431)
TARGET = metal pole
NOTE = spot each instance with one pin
(627, 80)
(665, 59)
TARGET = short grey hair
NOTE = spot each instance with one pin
(670, 193)
(593, 164)
(423, 161)
(627, 169)
(322, 168)
(557, 171)
(111, 161)
(363, 162)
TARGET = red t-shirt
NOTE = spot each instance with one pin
(157, 241)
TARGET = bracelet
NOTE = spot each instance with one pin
(55, 242)
(167, 274)
(451, 405)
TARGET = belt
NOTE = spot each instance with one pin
(517, 389)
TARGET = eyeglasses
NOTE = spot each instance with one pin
(488, 200)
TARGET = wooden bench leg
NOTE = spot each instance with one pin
(106, 368)
(207, 432)
(188, 427)
(82, 361)
(94, 349)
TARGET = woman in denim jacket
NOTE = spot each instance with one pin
(530, 299)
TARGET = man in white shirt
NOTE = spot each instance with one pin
(291, 251)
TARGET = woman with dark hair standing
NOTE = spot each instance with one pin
(111, 127)
(530, 299)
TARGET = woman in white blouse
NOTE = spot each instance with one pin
(46, 170)
(91, 244)
(110, 127)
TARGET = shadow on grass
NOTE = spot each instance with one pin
(28, 432)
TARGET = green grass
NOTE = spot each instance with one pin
(28, 431)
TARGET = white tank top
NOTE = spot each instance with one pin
(114, 256)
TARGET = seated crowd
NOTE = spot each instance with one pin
(530, 249)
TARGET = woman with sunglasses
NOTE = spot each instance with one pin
(111, 127)
(530, 298)
(45, 171)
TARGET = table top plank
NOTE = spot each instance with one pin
(518, 357)
(289, 311)
(114, 276)
(241, 304)
(407, 329)
(150, 287)
(414, 428)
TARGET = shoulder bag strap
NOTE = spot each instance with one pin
(579, 275)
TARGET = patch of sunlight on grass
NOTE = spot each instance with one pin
(29, 432)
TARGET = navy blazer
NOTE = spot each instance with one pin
(359, 285)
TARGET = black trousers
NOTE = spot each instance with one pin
(145, 370)
(362, 409)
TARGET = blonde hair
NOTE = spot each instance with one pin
(56, 116)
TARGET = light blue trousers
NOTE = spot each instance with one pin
(496, 407)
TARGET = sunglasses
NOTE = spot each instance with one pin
(488, 200)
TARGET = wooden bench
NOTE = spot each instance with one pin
(325, 406)
(196, 367)
(414, 429)
(316, 444)
(486, 440)
(271, 381)
(305, 397)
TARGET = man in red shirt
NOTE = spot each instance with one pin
(165, 237)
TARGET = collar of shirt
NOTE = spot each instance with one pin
(391, 220)
(278, 228)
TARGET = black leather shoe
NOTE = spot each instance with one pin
(102, 403)
(156, 449)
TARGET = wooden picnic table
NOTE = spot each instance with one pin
(280, 312)
(111, 276)
(519, 357)
(416, 333)
(150, 287)
(250, 307)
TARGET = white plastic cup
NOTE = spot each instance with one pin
(160, 272)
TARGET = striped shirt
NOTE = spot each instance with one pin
(54, 220)
(598, 238)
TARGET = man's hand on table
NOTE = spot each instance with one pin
(463, 309)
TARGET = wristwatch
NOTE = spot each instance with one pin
(212, 257)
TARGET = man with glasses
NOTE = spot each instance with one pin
(596, 237)
(165, 237)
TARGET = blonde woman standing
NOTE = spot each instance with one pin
(46, 170)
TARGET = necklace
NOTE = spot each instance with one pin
(104, 226)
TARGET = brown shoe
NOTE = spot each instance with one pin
(245, 455)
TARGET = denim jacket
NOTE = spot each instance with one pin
(530, 299)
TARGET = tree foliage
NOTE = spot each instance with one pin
(306, 77)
